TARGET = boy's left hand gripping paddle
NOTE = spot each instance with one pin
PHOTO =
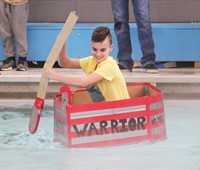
(55, 51)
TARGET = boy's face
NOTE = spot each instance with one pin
(101, 50)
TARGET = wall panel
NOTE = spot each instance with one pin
(100, 10)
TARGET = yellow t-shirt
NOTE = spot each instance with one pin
(113, 85)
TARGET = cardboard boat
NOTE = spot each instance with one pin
(79, 122)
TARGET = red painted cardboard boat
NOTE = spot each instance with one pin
(78, 122)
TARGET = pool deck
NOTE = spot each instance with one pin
(174, 82)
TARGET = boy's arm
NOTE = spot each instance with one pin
(77, 81)
(65, 61)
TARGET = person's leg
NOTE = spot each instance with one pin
(142, 16)
(122, 30)
(7, 37)
(6, 30)
(20, 16)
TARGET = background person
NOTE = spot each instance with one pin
(120, 9)
(13, 19)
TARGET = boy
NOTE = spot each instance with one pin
(104, 79)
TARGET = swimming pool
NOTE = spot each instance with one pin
(20, 150)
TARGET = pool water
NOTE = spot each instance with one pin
(20, 150)
(14, 128)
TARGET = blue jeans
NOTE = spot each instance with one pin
(141, 10)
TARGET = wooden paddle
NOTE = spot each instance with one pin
(55, 51)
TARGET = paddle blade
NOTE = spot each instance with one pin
(35, 115)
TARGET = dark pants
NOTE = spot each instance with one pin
(142, 16)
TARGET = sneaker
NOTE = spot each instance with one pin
(8, 64)
(151, 68)
(22, 65)
(123, 67)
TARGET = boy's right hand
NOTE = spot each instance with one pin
(50, 73)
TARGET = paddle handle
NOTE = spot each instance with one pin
(55, 51)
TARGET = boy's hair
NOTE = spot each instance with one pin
(100, 34)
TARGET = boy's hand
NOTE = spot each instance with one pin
(50, 73)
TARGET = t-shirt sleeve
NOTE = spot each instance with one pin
(83, 63)
(106, 71)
